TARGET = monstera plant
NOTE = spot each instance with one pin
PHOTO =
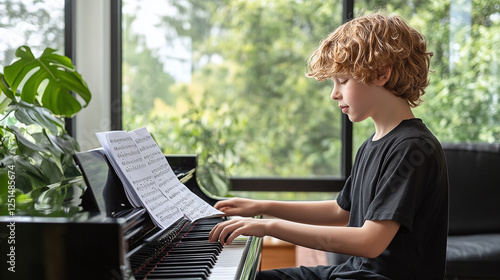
(36, 164)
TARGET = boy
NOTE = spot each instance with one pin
(392, 213)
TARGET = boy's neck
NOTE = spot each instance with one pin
(390, 114)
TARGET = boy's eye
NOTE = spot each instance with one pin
(343, 82)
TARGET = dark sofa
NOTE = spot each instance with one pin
(474, 225)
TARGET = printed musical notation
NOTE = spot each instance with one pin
(148, 179)
(137, 179)
(167, 181)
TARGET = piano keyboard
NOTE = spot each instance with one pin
(187, 254)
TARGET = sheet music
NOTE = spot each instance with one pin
(120, 149)
(189, 203)
(137, 178)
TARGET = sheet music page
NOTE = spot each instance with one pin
(189, 203)
(131, 195)
(129, 163)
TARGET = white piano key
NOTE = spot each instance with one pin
(229, 260)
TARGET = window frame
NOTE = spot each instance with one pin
(70, 49)
(278, 184)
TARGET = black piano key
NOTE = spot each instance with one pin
(194, 250)
(198, 262)
(186, 266)
(216, 246)
(179, 275)
(188, 258)
(176, 276)
(199, 270)
(177, 271)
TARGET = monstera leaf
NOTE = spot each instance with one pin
(51, 79)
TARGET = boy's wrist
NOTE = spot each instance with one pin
(270, 227)
(263, 207)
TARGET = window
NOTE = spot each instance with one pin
(225, 79)
(37, 24)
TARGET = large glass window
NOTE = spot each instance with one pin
(37, 24)
(225, 79)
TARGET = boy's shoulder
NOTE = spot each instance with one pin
(407, 135)
(411, 129)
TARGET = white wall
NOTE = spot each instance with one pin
(93, 62)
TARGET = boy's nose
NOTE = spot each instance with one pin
(335, 94)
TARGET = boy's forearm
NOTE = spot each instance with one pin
(365, 242)
(329, 239)
(316, 213)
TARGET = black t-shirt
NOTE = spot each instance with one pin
(400, 177)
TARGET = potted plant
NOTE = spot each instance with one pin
(36, 164)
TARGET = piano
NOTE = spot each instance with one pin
(110, 239)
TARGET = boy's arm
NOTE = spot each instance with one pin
(369, 241)
(316, 212)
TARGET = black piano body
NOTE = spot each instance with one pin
(110, 239)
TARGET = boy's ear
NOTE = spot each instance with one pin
(384, 76)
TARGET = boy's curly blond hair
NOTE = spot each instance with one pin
(365, 47)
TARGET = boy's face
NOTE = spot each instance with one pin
(355, 99)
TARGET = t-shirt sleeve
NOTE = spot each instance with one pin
(344, 197)
(402, 184)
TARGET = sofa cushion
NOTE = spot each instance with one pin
(476, 255)
(474, 178)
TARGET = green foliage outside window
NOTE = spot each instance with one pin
(462, 103)
(248, 104)
(248, 101)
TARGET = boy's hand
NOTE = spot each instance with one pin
(240, 207)
(227, 231)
